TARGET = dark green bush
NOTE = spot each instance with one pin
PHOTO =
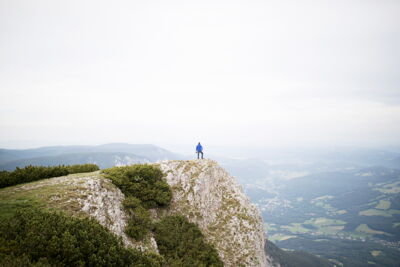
(143, 182)
(183, 244)
(33, 173)
(139, 223)
(39, 238)
(80, 168)
(144, 188)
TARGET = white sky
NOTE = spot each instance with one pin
(223, 72)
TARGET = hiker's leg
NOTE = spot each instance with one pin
(202, 155)
(198, 155)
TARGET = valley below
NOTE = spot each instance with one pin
(345, 212)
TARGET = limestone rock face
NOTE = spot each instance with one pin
(208, 196)
(103, 201)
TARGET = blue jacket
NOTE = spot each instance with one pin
(199, 148)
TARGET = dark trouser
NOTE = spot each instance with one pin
(198, 154)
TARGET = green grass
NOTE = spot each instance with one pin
(375, 212)
(44, 194)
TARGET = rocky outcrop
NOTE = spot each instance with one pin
(89, 194)
(202, 191)
(208, 196)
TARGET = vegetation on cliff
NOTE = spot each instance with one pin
(143, 188)
(33, 173)
(143, 182)
(42, 238)
(182, 243)
(33, 231)
(179, 241)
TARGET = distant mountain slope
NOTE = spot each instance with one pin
(105, 156)
(101, 159)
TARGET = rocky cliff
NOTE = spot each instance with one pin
(207, 195)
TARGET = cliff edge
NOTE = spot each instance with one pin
(202, 191)
(208, 196)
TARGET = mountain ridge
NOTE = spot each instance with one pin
(202, 192)
(106, 155)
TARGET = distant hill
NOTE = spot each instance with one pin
(104, 156)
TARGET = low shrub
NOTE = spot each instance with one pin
(183, 244)
(139, 223)
(142, 181)
(80, 168)
(41, 238)
(33, 173)
(144, 188)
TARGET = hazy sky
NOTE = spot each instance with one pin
(223, 72)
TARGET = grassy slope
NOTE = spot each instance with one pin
(55, 193)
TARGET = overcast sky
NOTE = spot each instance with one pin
(221, 72)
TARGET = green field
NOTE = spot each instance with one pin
(376, 212)
(363, 228)
(296, 228)
(323, 222)
(280, 237)
(269, 227)
(320, 226)
(393, 188)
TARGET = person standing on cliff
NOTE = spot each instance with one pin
(199, 150)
